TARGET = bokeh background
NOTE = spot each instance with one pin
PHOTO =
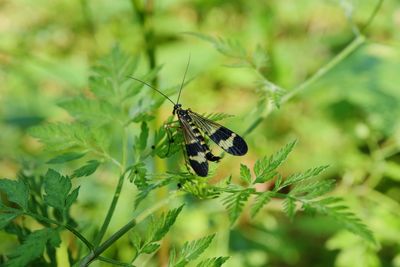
(348, 118)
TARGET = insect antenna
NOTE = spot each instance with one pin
(152, 87)
(183, 81)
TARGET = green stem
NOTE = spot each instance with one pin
(373, 14)
(357, 42)
(117, 193)
(110, 211)
(66, 226)
(95, 253)
(354, 45)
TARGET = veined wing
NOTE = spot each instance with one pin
(194, 150)
(222, 136)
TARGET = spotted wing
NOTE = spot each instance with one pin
(222, 136)
(195, 151)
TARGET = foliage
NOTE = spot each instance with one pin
(342, 91)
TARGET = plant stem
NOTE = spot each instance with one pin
(357, 42)
(354, 45)
(113, 262)
(110, 211)
(96, 252)
(66, 226)
(117, 193)
(372, 17)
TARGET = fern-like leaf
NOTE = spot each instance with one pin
(213, 262)
(334, 208)
(235, 202)
(192, 250)
(265, 168)
(260, 201)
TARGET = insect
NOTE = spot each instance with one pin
(193, 126)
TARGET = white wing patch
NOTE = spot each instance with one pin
(200, 157)
(228, 143)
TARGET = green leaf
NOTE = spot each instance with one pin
(144, 134)
(72, 197)
(60, 136)
(109, 78)
(245, 174)
(150, 248)
(97, 112)
(33, 247)
(260, 201)
(57, 188)
(235, 202)
(89, 168)
(312, 188)
(265, 168)
(16, 191)
(70, 156)
(6, 218)
(289, 206)
(213, 262)
(217, 116)
(334, 208)
(308, 174)
(192, 250)
(137, 175)
(159, 227)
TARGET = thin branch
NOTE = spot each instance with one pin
(110, 211)
(66, 226)
(372, 17)
(93, 255)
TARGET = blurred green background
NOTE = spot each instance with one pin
(349, 118)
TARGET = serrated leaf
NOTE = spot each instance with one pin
(60, 136)
(289, 206)
(89, 168)
(136, 240)
(70, 156)
(91, 111)
(245, 174)
(217, 116)
(265, 168)
(310, 173)
(278, 183)
(213, 262)
(235, 202)
(312, 188)
(334, 208)
(16, 191)
(150, 248)
(56, 188)
(260, 201)
(144, 134)
(33, 247)
(159, 227)
(6, 218)
(109, 79)
(137, 175)
(192, 250)
(72, 197)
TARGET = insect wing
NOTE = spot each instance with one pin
(222, 136)
(194, 150)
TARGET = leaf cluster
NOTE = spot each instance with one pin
(46, 199)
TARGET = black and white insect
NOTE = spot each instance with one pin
(193, 126)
